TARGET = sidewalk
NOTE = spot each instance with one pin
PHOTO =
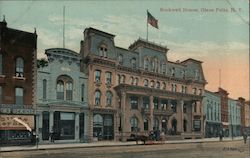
(105, 144)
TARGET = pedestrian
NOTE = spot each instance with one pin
(52, 135)
(245, 137)
(221, 135)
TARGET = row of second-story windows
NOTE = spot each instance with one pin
(19, 66)
(108, 77)
(213, 111)
(19, 95)
(64, 90)
(109, 97)
(158, 105)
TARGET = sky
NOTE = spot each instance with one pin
(206, 30)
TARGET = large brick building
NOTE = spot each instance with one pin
(137, 90)
(17, 83)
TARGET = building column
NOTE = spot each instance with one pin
(51, 121)
(202, 119)
(39, 123)
(151, 112)
(85, 127)
(123, 116)
(77, 127)
(90, 126)
(180, 116)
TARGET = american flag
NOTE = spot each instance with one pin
(152, 21)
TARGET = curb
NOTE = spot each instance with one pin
(111, 145)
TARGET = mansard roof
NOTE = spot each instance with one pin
(192, 60)
(147, 44)
(62, 52)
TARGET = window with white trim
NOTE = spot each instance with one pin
(19, 96)
(19, 67)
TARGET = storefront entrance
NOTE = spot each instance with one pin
(103, 127)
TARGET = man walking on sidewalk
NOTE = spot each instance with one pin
(245, 137)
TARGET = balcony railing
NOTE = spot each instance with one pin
(157, 111)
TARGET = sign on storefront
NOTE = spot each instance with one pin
(7, 122)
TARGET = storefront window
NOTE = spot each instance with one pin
(67, 125)
(45, 129)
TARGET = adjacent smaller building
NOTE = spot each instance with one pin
(234, 118)
(17, 84)
(62, 98)
(212, 111)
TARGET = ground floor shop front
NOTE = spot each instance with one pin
(62, 124)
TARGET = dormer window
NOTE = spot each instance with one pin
(183, 74)
(133, 63)
(146, 64)
(164, 68)
(103, 50)
(173, 72)
(196, 74)
(120, 59)
(19, 67)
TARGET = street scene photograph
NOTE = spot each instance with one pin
(124, 79)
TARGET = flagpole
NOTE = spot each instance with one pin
(147, 25)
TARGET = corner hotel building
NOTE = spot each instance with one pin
(137, 90)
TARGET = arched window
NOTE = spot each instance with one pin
(64, 88)
(163, 85)
(103, 50)
(123, 79)
(98, 119)
(69, 90)
(158, 85)
(136, 80)
(146, 64)
(145, 83)
(19, 67)
(108, 76)
(60, 90)
(145, 123)
(164, 125)
(97, 97)
(44, 89)
(97, 76)
(109, 97)
(152, 84)
(120, 59)
(118, 79)
(131, 80)
(134, 124)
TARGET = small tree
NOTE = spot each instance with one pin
(42, 63)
